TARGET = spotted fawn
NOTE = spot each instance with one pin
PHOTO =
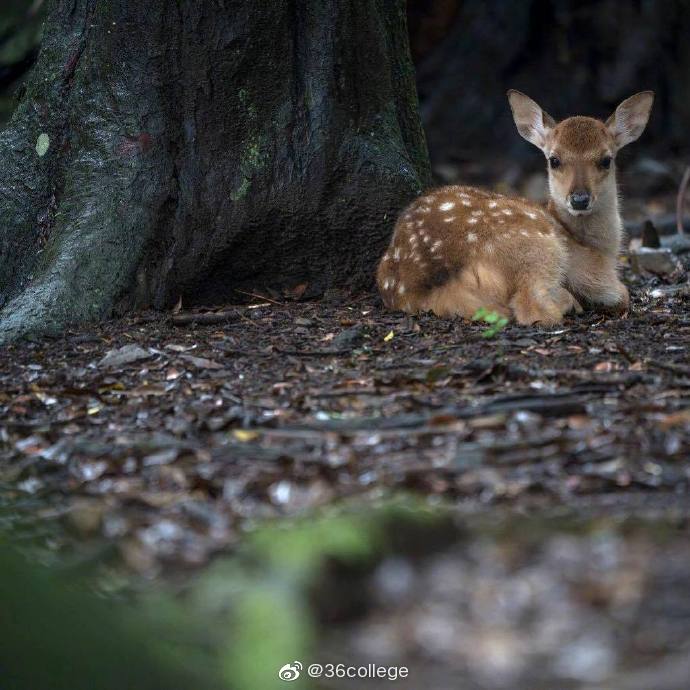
(459, 248)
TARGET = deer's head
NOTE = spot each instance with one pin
(581, 151)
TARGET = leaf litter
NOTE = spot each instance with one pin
(211, 424)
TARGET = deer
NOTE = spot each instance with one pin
(457, 248)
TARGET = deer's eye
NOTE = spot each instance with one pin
(554, 162)
(605, 162)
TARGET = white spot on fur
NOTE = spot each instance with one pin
(493, 204)
(478, 213)
(447, 206)
(436, 245)
(449, 219)
(396, 254)
(507, 212)
(466, 202)
(401, 289)
(531, 214)
(471, 237)
(386, 284)
(424, 209)
(524, 233)
(489, 248)
(472, 221)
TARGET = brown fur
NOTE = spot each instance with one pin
(492, 251)
(459, 248)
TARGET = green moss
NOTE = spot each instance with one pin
(241, 191)
(253, 160)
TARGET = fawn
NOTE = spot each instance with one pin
(458, 248)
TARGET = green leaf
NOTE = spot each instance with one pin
(42, 144)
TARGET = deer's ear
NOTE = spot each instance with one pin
(630, 118)
(533, 123)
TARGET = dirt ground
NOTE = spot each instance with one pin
(198, 431)
(147, 447)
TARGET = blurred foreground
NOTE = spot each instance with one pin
(470, 603)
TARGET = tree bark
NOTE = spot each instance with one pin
(195, 148)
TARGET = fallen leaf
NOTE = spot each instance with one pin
(172, 374)
(675, 419)
(121, 356)
(176, 347)
(295, 292)
(244, 435)
(389, 337)
(201, 362)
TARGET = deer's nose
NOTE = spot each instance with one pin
(580, 200)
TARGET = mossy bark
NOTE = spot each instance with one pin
(199, 148)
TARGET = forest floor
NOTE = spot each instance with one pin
(157, 442)
(154, 443)
(168, 437)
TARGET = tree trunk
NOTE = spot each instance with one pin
(194, 148)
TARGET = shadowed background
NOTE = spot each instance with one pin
(572, 56)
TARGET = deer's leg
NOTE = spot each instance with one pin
(612, 298)
(542, 303)
(566, 300)
(593, 276)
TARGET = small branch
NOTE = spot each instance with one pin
(312, 353)
(669, 366)
(204, 318)
(626, 353)
(262, 297)
(680, 200)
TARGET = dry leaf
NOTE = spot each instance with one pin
(244, 435)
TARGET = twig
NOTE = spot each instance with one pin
(205, 317)
(669, 366)
(248, 320)
(680, 200)
(263, 297)
(626, 354)
(313, 353)
(347, 392)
